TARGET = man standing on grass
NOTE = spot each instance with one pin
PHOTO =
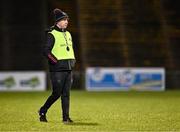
(60, 54)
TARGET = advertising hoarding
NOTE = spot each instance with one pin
(103, 79)
(23, 81)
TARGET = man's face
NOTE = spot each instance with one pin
(63, 23)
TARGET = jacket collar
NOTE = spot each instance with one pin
(59, 29)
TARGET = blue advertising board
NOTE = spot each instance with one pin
(104, 79)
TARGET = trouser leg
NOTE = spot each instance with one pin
(57, 80)
(65, 97)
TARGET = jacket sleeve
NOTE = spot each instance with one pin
(48, 47)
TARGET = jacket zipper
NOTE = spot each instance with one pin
(69, 65)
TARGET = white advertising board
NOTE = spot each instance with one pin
(104, 79)
(23, 81)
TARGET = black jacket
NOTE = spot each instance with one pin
(54, 64)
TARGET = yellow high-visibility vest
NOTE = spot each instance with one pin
(63, 46)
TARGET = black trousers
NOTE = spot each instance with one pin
(61, 85)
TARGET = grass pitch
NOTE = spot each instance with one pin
(93, 111)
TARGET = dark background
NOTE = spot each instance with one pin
(108, 33)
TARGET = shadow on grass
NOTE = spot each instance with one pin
(83, 124)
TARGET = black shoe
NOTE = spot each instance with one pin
(42, 117)
(67, 121)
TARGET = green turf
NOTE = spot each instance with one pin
(93, 111)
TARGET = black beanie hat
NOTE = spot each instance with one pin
(58, 14)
